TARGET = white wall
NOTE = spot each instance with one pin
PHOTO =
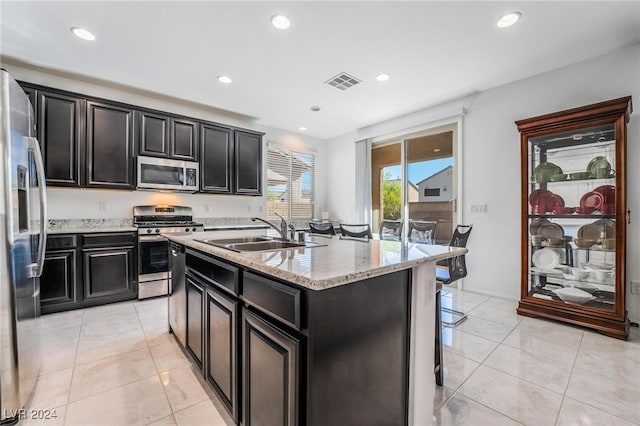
(84, 203)
(491, 162)
(442, 180)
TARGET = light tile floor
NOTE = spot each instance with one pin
(117, 365)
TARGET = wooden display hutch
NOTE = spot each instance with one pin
(574, 216)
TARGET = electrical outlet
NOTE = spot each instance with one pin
(478, 208)
(102, 206)
(635, 287)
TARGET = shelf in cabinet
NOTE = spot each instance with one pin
(609, 178)
(572, 216)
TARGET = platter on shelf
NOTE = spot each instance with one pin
(600, 229)
(547, 258)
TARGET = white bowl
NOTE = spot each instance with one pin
(579, 274)
(573, 295)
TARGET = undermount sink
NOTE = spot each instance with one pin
(226, 241)
(252, 244)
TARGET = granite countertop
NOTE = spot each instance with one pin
(82, 226)
(336, 262)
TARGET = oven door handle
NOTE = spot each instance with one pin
(149, 238)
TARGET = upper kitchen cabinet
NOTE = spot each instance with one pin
(216, 159)
(574, 216)
(165, 136)
(60, 131)
(109, 145)
(248, 163)
(184, 139)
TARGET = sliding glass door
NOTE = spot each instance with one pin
(414, 180)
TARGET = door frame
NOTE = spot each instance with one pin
(455, 124)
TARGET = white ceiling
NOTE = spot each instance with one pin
(434, 51)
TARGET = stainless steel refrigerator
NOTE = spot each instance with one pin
(23, 222)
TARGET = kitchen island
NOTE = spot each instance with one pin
(339, 333)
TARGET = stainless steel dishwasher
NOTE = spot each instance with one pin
(177, 292)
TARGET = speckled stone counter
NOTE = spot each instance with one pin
(80, 226)
(336, 262)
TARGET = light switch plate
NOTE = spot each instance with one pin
(635, 287)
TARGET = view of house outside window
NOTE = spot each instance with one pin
(290, 183)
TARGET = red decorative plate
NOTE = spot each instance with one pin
(536, 195)
(592, 199)
(554, 201)
(608, 192)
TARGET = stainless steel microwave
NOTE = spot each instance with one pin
(164, 173)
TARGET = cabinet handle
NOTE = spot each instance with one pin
(173, 253)
(628, 216)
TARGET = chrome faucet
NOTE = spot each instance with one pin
(283, 225)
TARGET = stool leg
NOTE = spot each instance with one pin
(438, 355)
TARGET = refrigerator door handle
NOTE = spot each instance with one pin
(42, 242)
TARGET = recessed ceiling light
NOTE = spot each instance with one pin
(509, 19)
(383, 77)
(302, 129)
(281, 22)
(82, 33)
(315, 108)
(224, 79)
(436, 150)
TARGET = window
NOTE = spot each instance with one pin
(432, 192)
(290, 183)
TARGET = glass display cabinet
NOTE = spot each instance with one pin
(574, 216)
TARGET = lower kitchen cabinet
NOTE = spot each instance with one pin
(270, 373)
(108, 273)
(276, 353)
(60, 288)
(82, 270)
(195, 301)
(221, 343)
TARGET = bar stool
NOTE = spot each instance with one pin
(358, 230)
(391, 230)
(321, 228)
(456, 268)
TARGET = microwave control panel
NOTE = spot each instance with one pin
(191, 177)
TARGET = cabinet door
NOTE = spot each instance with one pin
(248, 164)
(110, 144)
(154, 134)
(184, 137)
(109, 274)
(221, 343)
(270, 373)
(58, 281)
(215, 159)
(61, 135)
(195, 303)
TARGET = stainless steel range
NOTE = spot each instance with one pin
(153, 249)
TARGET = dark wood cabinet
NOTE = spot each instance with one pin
(109, 145)
(165, 136)
(195, 306)
(216, 159)
(108, 272)
(60, 126)
(184, 139)
(83, 270)
(221, 343)
(109, 267)
(154, 134)
(248, 163)
(270, 373)
(60, 284)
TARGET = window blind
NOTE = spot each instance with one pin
(290, 183)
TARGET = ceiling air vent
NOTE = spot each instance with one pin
(343, 81)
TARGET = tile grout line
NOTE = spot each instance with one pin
(566, 388)
(73, 371)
